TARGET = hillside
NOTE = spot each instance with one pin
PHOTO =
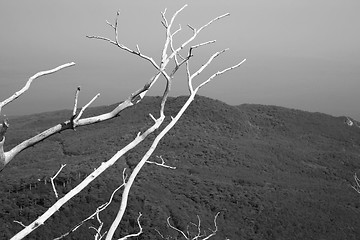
(273, 172)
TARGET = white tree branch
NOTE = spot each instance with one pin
(97, 211)
(84, 108)
(219, 73)
(134, 98)
(198, 235)
(120, 45)
(20, 223)
(5, 157)
(105, 165)
(213, 232)
(76, 101)
(176, 229)
(134, 234)
(195, 33)
(148, 154)
(52, 180)
(162, 164)
(31, 79)
(203, 44)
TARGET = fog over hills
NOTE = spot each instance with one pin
(272, 172)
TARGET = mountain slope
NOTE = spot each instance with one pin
(274, 173)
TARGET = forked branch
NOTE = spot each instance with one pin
(162, 164)
(156, 141)
(97, 213)
(199, 234)
(5, 157)
(134, 234)
(52, 180)
(105, 165)
(133, 99)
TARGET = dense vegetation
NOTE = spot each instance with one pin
(274, 173)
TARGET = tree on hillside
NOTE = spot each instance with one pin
(172, 59)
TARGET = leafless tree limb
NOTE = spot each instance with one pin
(97, 212)
(133, 99)
(52, 180)
(134, 234)
(154, 145)
(76, 101)
(105, 165)
(199, 235)
(84, 108)
(5, 157)
(31, 79)
(20, 223)
(122, 46)
(162, 164)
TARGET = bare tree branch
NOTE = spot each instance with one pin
(76, 101)
(120, 45)
(105, 165)
(133, 99)
(31, 79)
(52, 180)
(195, 33)
(162, 164)
(84, 108)
(20, 223)
(5, 157)
(219, 73)
(97, 212)
(134, 234)
(153, 147)
(199, 235)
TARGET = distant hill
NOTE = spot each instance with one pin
(273, 172)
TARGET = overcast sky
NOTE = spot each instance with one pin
(302, 54)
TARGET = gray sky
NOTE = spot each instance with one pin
(300, 54)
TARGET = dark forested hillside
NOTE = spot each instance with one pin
(272, 172)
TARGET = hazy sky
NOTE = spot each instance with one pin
(302, 54)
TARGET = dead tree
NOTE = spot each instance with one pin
(172, 59)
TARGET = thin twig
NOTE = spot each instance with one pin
(20, 223)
